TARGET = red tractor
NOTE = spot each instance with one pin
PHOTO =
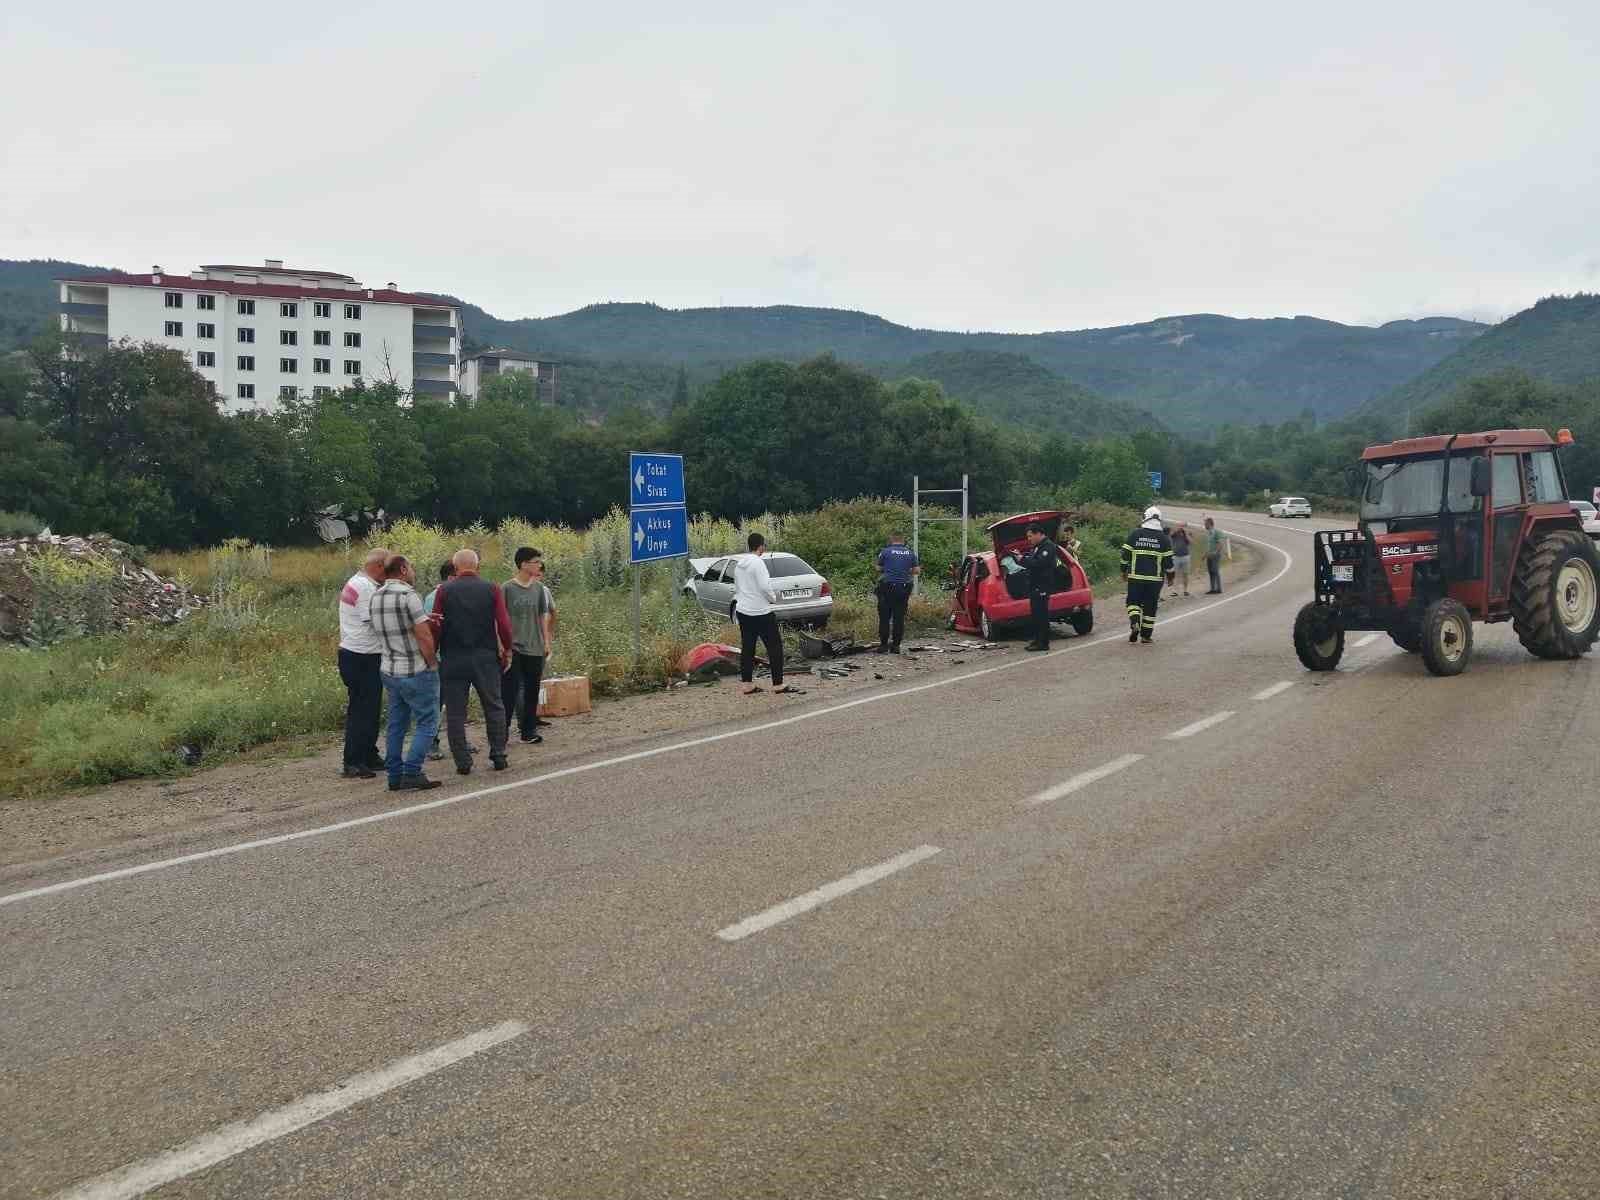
(1456, 529)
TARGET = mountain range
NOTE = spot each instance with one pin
(1187, 373)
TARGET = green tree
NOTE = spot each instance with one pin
(1113, 472)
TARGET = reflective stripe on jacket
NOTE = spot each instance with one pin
(1147, 554)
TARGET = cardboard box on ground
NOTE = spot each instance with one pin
(564, 696)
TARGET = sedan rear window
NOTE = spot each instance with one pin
(788, 567)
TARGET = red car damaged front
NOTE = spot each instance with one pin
(992, 587)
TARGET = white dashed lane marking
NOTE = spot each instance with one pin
(1067, 787)
(1276, 689)
(1201, 725)
(1367, 641)
(828, 891)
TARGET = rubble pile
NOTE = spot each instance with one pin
(138, 594)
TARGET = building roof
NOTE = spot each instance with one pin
(269, 270)
(505, 352)
(186, 283)
(1516, 439)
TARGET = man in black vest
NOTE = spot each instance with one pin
(1041, 560)
(475, 648)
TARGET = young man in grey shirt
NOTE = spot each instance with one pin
(528, 604)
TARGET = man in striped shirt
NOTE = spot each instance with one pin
(410, 674)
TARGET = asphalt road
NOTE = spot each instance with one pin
(1338, 940)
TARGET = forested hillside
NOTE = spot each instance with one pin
(1556, 341)
(1192, 373)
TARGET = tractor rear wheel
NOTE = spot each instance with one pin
(1082, 622)
(1407, 637)
(1318, 637)
(1555, 599)
(1446, 637)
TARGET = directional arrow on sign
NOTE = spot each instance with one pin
(638, 532)
(638, 480)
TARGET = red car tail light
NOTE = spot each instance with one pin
(827, 589)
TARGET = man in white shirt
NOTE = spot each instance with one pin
(360, 660)
(753, 597)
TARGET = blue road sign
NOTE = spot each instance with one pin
(655, 479)
(1155, 480)
(658, 533)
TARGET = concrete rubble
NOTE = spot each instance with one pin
(139, 595)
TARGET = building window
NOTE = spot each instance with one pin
(322, 366)
(247, 308)
(247, 391)
(288, 337)
(352, 366)
(204, 329)
(287, 309)
(288, 391)
(288, 366)
(352, 341)
(322, 309)
(352, 312)
(205, 358)
(174, 299)
(174, 328)
(207, 303)
(322, 337)
(247, 362)
(246, 334)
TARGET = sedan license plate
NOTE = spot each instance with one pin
(1344, 573)
(799, 594)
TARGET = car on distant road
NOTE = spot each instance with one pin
(992, 586)
(804, 596)
(1289, 506)
(1589, 516)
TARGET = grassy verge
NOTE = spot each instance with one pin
(260, 669)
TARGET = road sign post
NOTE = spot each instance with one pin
(1155, 481)
(658, 523)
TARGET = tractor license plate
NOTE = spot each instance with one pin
(1345, 573)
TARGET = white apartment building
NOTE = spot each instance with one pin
(262, 333)
(477, 369)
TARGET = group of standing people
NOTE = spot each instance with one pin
(468, 635)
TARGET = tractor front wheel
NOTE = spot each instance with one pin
(1446, 637)
(1555, 603)
(1318, 637)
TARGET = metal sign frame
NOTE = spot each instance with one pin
(918, 520)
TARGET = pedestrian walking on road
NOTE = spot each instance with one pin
(897, 566)
(1146, 561)
(410, 674)
(1042, 561)
(527, 605)
(475, 649)
(1214, 557)
(1180, 556)
(360, 657)
(753, 598)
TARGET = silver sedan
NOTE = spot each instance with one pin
(804, 597)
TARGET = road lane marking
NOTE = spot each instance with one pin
(68, 885)
(1202, 724)
(1275, 690)
(1367, 641)
(137, 1178)
(828, 891)
(1067, 787)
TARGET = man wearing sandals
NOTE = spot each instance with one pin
(753, 598)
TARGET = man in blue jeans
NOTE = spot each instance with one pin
(410, 674)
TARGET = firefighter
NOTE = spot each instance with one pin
(1041, 561)
(1146, 562)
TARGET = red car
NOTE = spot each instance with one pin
(992, 587)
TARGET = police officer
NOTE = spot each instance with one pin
(1041, 561)
(1146, 561)
(897, 566)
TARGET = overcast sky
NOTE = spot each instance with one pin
(1015, 166)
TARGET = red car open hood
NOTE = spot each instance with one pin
(1010, 534)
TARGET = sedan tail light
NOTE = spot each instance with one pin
(827, 589)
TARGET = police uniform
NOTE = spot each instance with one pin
(1041, 561)
(1146, 562)
(898, 563)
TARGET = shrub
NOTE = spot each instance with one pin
(72, 597)
(20, 524)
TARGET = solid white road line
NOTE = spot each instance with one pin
(830, 891)
(68, 885)
(1366, 641)
(1067, 787)
(207, 1151)
(1275, 690)
(1202, 724)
